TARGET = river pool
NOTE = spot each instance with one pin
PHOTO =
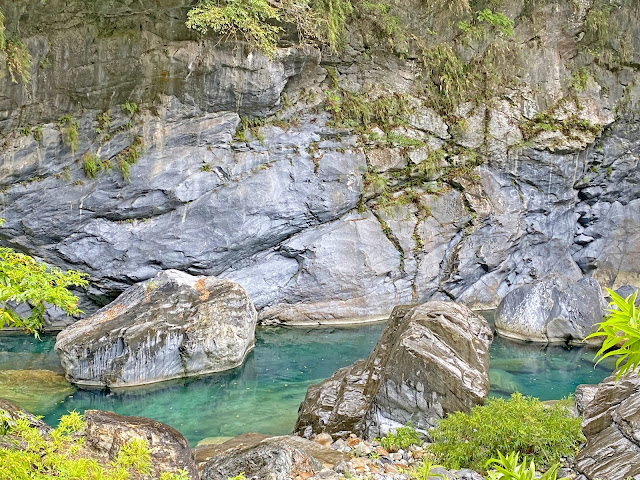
(264, 393)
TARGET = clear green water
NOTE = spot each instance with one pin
(263, 394)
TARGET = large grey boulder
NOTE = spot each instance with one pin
(174, 325)
(554, 309)
(611, 424)
(272, 458)
(432, 359)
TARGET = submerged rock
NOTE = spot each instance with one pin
(174, 325)
(611, 423)
(107, 432)
(431, 359)
(554, 309)
(37, 391)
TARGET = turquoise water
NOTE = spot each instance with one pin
(263, 394)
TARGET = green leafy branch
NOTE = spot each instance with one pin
(621, 332)
(24, 280)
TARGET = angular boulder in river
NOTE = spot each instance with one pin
(174, 325)
(611, 423)
(554, 309)
(431, 359)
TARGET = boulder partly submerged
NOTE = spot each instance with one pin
(432, 359)
(174, 325)
(555, 309)
(611, 424)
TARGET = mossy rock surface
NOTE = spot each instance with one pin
(37, 391)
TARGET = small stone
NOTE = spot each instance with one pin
(390, 469)
(304, 475)
(339, 444)
(323, 439)
(396, 456)
(353, 441)
(417, 454)
(382, 452)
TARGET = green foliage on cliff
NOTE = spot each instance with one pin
(247, 18)
(2, 37)
(259, 22)
(24, 280)
(621, 332)
(18, 59)
(520, 424)
(69, 131)
(27, 454)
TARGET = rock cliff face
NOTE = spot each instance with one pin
(610, 424)
(330, 186)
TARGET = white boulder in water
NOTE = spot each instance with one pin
(174, 325)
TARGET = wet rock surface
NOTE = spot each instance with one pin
(554, 309)
(611, 423)
(174, 325)
(431, 359)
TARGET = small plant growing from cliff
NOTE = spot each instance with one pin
(24, 280)
(3, 40)
(519, 424)
(129, 156)
(498, 20)
(509, 468)
(401, 438)
(18, 60)
(621, 332)
(69, 131)
(131, 108)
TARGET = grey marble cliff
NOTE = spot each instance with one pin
(234, 167)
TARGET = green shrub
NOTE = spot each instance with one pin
(509, 468)
(621, 332)
(26, 454)
(519, 424)
(401, 438)
(24, 280)
(247, 18)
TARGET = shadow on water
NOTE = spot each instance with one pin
(264, 393)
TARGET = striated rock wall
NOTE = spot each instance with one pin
(239, 166)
